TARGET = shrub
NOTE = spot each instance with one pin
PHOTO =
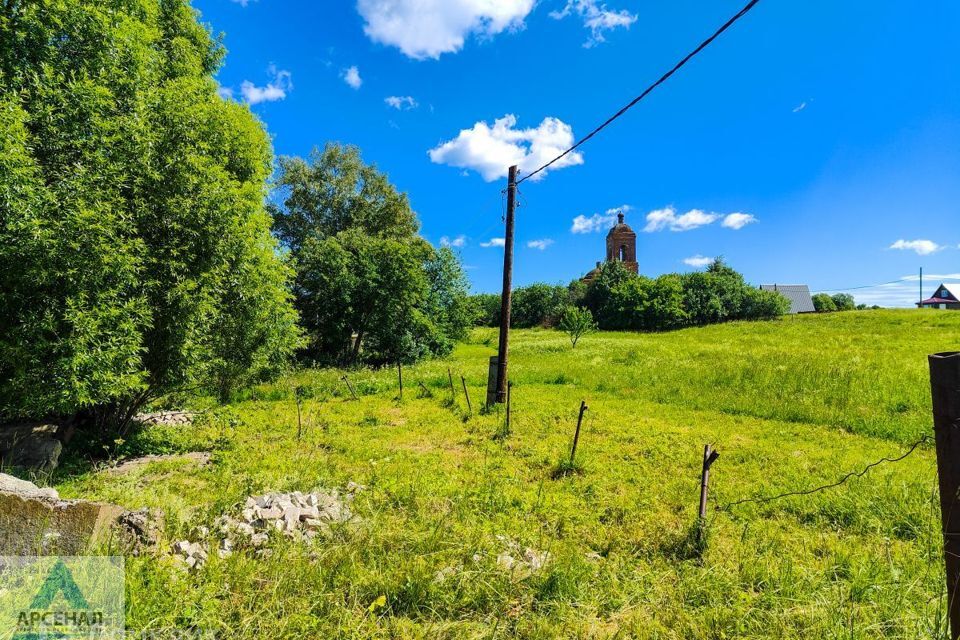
(135, 253)
(823, 303)
(844, 302)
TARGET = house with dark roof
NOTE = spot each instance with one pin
(947, 296)
(798, 294)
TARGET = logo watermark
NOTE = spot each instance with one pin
(64, 597)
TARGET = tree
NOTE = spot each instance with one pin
(537, 305)
(576, 322)
(368, 287)
(823, 303)
(844, 302)
(131, 214)
(485, 309)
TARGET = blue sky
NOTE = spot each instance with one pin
(833, 128)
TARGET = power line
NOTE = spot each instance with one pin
(663, 78)
(805, 492)
(868, 286)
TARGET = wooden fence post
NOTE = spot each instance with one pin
(945, 392)
(576, 434)
(709, 457)
(400, 378)
(466, 393)
(350, 386)
(453, 391)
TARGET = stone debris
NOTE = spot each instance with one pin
(141, 530)
(166, 417)
(520, 562)
(36, 521)
(11, 484)
(192, 553)
(295, 515)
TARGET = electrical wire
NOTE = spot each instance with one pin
(703, 45)
(867, 286)
(805, 492)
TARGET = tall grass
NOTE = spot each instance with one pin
(788, 404)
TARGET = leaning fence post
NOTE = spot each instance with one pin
(945, 393)
(453, 391)
(576, 434)
(350, 386)
(400, 378)
(709, 457)
(466, 393)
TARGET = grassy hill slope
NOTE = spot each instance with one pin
(789, 404)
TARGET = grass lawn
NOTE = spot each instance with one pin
(789, 404)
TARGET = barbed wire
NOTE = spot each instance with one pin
(806, 492)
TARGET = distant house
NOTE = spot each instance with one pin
(798, 294)
(947, 296)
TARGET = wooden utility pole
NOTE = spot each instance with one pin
(945, 392)
(506, 293)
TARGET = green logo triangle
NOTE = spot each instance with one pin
(60, 580)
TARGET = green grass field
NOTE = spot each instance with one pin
(789, 404)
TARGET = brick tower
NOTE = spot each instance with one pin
(622, 245)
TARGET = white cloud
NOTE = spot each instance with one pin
(491, 150)
(225, 92)
(698, 261)
(351, 75)
(457, 243)
(668, 219)
(540, 244)
(401, 103)
(594, 224)
(493, 242)
(242, 3)
(596, 17)
(737, 221)
(800, 107)
(598, 221)
(275, 89)
(920, 247)
(424, 29)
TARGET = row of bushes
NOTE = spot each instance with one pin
(621, 300)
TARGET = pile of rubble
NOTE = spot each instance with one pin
(296, 515)
(521, 561)
(166, 417)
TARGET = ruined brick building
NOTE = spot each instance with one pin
(621, 247)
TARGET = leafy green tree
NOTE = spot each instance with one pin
(367, 286)
(844, 301)
(823, 303)
(599, 298)
(537, 305)
(485, 309)
(131, 214)
(576, 322)
(336, 191)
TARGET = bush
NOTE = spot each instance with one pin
(844, 302)
(368, 287)
(823, 303)
(537, 305)
(135, 252)
(621, 300)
